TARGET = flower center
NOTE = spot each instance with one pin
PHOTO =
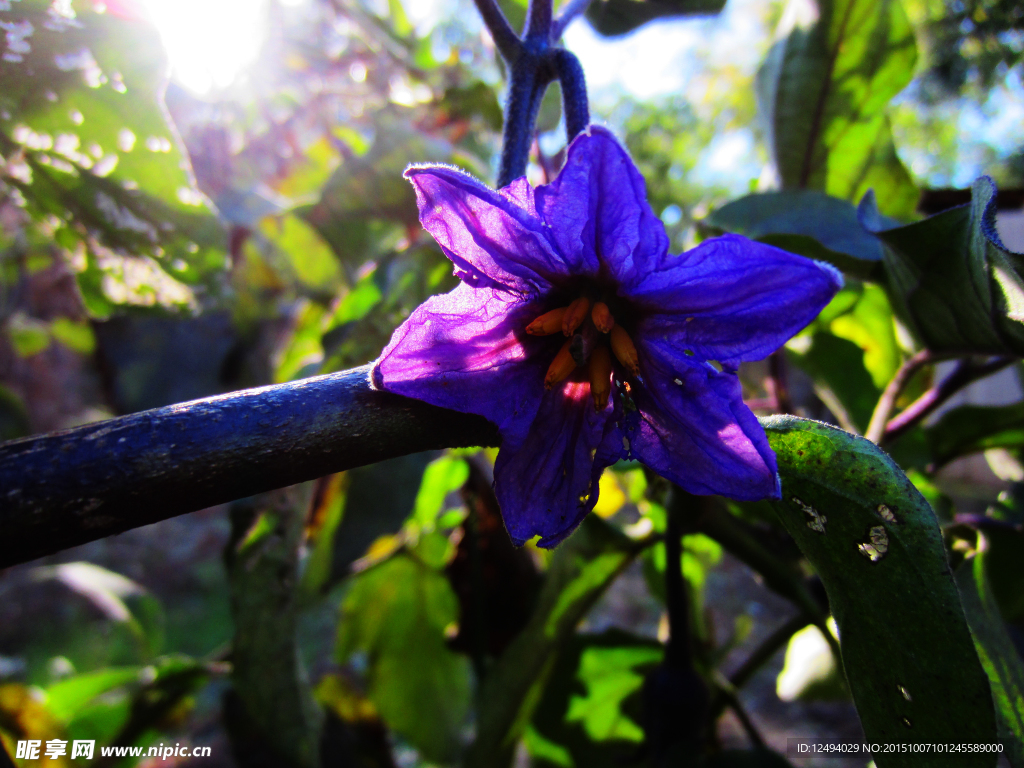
(593, 337)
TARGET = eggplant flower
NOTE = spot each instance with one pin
(576, 332)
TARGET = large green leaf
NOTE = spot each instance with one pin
(397, 613)
(875, 543)
(804, 221)
(952, 280)
(823, 92)
(973, 428)
(617, 17)
(580, 571)
(998, 654)
(81, 114)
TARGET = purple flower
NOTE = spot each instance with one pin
(586, 342)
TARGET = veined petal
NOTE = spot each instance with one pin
(732, 299)
(598, 212)
(547, 482)
(466, 350)
(695, 430)
(490, 237)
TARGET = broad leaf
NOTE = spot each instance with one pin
(590, 708)
(580, 571)
(397, 613)
(973, 428)
(952, 280)
(876, 546)
(996, 650)
(807, 222)
(617, 17)
(823, 91)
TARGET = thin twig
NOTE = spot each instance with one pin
(883, 409)
(505, 39)
(572, 10)
(965, 373)
(779, 379)
(756, 740)
(768, 648)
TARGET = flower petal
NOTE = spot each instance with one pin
(598, 213)
(548, 482)
(695, 430)
(466, 350)
(733, 299)
(489, 236)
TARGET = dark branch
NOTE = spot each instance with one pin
(965, 373)
(574, 93)
(71, 487)
(883, 409)
(538, 20)
(530, 77)
(570, 11)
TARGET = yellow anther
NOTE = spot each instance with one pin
(624, 349)
(600, 376)
(548, 323)
(575, 315)
(602, 317)
(560, 367)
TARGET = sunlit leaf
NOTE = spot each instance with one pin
(823, 92)
(397, 613)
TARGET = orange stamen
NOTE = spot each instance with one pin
(602, 317)
(560, 367)
(624, 349)
(548, 323)
(575, 315)
(600, 376)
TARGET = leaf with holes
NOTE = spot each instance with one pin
(823, 91)
(996, 649)
(875, 543)
(804, 221)
(951, 279)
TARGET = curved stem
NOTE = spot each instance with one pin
(68, 488)
(530, 78)
(965, 373)
(505, 39)
(883, 409)
(574, 93)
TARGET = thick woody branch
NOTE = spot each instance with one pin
(68, 488)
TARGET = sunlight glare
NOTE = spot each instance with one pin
(209, 42)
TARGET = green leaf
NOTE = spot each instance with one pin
(590, 707)
(996, 650)
(617, 17)
(13, 416)
(807, 222)
(65, 699)
(868, 324)
(823, 92)
(581, 569)
(397, 613)
(874, 542)
(974, 428)
(840, 379)
(441, 477)
(951, 279)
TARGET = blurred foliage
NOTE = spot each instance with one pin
(157, 245)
